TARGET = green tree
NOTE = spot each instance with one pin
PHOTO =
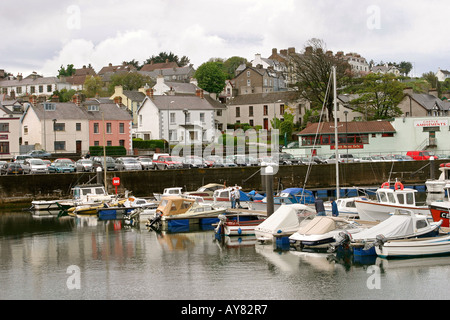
(66, 72)
(129, 81)
(210, 77)
(312, 69)
(379, 96)
(170, 57)
(64, 94)
(231, 64)
(93, 86)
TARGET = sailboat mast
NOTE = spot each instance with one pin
(336, 143)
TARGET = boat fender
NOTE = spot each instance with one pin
(385, 185)
(398, 185)
(447, 164)
(239, 231)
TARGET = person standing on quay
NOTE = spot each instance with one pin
(320, 208)
(233, 199)
(237, 196)
(334, 208)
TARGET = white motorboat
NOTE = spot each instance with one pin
(438, 185)
(346, 206)
(412, 248)
(81, 194)
(283, 222)
(322, 231)
(388, 200)
(238, 225)
(402, 224)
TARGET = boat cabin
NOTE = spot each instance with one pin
(88, 191)
(402, 196)
(173, 205)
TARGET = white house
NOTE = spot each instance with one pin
(442, 74)
(174, 117)
(10, 114)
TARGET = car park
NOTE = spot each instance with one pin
(11, 168)
(194, 162)
(35, 165)
(127, 163)
(61, 167)
(21, 157)
(164, 162)
(66, 161)
(343, 158)
(84, 165)
(285, 158)
(98, 162)
(420, 155)
(39, 154)
(146, 162)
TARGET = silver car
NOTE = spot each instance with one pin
(127, 163)
(34, 165)
(84, 165)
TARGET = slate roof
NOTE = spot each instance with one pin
(428, 101)
(349, 127)
(190, 102)
(265, 98)
(155, 66)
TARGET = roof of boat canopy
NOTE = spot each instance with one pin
(173, 205)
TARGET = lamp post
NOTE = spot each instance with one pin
(346, 138)
(185, 111)
(54, 130)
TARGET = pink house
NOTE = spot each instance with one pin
(109, 124)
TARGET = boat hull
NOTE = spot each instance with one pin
(373, 211)
(415, 248)
(440, 213)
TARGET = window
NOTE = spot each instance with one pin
(78, 126)
(94, 107)
(108, 127)
(248, 73)
(281, 109)
(4, 127)
(49, 107)
(172, 135)
(4, 147)
(250, 111)
(49, 88)
(202, 117)
(250, 122)
(96, 143)
(60, 145)
(32, 89)
(96, 127)
(19, 90)
(109, 143)
(25, 130)
(238, 112)
(219, 114)
(59, 126)
(41, 89)
(172, 117)
(121, 127)
(122, 143)
(265, 110)
(249, 83)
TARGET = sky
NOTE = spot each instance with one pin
(42, 35)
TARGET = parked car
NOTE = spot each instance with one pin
(420, 155)
(343, 158)
(66, 161)
(168, 162)
(146, 163)
(39, 154)
(11, 168)
(34, 165)
(285, 158)
(127, 163)
(61, 167)
(21, 157)
(194, 162)
(99, 161)
(84, 165)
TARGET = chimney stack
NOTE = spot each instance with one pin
(117, 100)
(149, 93)
(33, 99)
(76, 99)
(199, 93)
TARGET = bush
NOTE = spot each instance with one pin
(148, 144)
(110, 151)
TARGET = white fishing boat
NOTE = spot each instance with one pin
(387, 201)
(346, 206)
(283, 222)
(322, 231)
(440, 210)
(412, 248)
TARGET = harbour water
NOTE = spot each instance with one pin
(45, 257)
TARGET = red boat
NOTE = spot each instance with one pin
(440, 211)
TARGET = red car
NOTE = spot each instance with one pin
(168, 162)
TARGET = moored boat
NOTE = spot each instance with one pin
(440, 210)
(388, 200)
(283, 222)
(412, 248)
(238, 225)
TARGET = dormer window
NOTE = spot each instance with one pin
(93, 107)
(49, 106)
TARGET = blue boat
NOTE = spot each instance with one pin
(294, 195)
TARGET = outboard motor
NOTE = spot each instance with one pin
(379, 241)
(342, 240)
(156, 219)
